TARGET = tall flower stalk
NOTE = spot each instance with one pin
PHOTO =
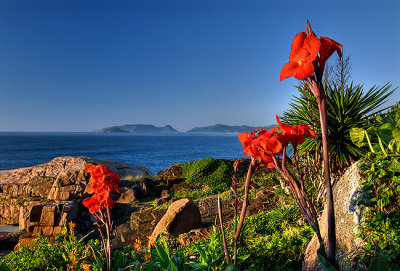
(307, 62)
(103, 181)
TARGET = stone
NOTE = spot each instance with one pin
(140, 225)
(173, 173)
(128, 195)
(163, 200)
(182, 216)
(9, 211)
(62, 178)
(146, 188)
(348, 215)
(9, 237)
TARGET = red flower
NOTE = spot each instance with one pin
(264, 146)
(147, 257)
(137, 244)
(295, 133)
(328, 47)
(302, 56)
(103, 181)
(102, 177)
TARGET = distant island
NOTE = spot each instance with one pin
(147, 128)
(220, 128)
(137, 128)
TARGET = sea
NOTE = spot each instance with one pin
(153, 151)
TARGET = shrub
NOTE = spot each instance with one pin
(347, 108)
(382, 222)
(215, 173)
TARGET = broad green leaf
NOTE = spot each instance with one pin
(379, 263)
(357, 136)
(385, 132)
(396, 135)
(164, 259)
(230, 267)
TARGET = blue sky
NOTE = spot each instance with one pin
(88, 64)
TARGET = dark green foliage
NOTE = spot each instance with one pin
(275, 240)
(347, 108)
(45, 255)
(382, 223)
(215, 173)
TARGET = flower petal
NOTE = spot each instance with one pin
(288, 70)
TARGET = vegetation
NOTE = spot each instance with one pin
(215, 173)
(347, 109)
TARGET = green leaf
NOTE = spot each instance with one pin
(164, 259)
(230, 267)
(357, 136)
(3, 267)
(202, 253)
(396, 135)
(379, 263)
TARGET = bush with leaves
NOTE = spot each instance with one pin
(382, 222)
(347, 109)
(215, 173)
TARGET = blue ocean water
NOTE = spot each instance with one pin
(154, 151)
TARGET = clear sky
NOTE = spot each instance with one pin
(88, 64)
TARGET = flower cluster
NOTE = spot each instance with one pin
(103, 181)
(308, 55)
(266, 145)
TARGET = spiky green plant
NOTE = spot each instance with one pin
(347, 108)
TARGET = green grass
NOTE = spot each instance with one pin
(215, 173)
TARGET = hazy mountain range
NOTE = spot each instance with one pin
(147, 128)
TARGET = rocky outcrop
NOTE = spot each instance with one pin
(27, 195)
(182, 216)
(347, 194)
(63, 178)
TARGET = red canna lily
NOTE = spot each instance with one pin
(328, 47)
(302, 56)
(295, 133)
(263, 146)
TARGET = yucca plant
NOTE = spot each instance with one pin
(347, 108)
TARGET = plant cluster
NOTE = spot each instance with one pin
(65, 253)
(215, 173)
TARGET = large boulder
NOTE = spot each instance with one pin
(347, 193)
(63, 178)
(182, 216)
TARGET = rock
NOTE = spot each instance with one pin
(140, 225)
(182, 216)
(146, 188)
(9, 211)
(128, 195)
(63, 178)
(172, 174)
(346, 193)
(185, 239)
(39, 217)
(163, 200)
(9, 238)
(209, 209)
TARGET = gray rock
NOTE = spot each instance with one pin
(348, 214)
